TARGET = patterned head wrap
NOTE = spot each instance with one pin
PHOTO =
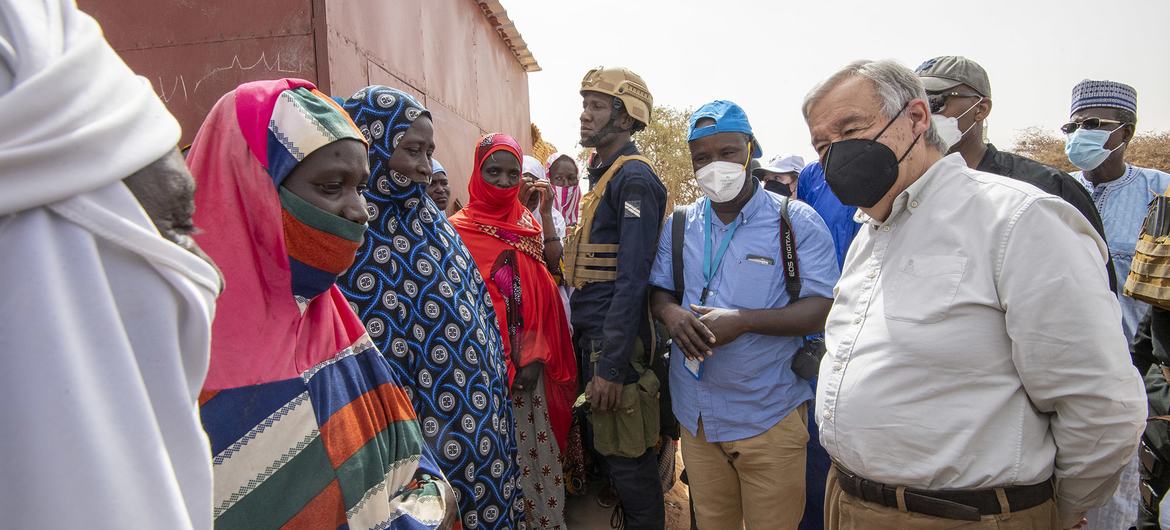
(566, 199)
(1108, 94)
(423, 302)
(383, 115)
(283, 128)
(436, 167)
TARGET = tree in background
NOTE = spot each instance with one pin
(1150, 150)
(664, 142)
(541, 149)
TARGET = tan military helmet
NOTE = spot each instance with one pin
(624, 85)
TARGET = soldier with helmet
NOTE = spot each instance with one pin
(607, 260)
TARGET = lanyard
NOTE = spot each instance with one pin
(711, 263)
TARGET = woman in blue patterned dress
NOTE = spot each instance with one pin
(423, 302)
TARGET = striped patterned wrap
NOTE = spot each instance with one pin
(337, 447)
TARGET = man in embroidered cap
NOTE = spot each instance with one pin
(1102, 120)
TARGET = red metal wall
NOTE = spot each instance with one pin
(443, 51)
(194, 52)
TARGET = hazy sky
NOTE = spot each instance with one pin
(765, 55)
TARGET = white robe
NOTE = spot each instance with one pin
(104, 325)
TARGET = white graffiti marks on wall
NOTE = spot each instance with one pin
(181, 91)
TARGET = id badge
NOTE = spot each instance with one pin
(694, 366)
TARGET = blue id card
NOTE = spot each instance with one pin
(694, 366)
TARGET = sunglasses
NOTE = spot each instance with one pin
(939, 100)
(1089, 124)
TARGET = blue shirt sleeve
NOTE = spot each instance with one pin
(662, 273)
(637, 242)
(815, 251)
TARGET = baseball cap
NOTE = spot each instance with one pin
(728, 117)
(782, 164)
(949, 71)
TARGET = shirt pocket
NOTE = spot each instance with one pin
(753, 282)
(922, 288)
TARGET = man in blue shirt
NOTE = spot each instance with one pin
(735, 331)
(812, 189)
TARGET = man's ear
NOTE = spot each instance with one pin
(626, 123)
(983, 109)
(919, 112)
(1130, 130)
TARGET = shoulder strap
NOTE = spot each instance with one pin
(788, 254)
(677, 225)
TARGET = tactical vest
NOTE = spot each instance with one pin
(582, 262)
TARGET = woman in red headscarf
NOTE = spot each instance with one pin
(507, 244)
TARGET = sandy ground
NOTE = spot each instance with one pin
(583, 513)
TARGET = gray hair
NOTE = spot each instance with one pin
(896, 86)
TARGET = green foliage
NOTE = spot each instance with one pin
(664, 142)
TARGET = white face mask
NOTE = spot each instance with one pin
(948, 128)
(721, 181)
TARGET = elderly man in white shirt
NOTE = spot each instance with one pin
(976, 367)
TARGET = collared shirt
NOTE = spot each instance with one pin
(1123, 206)
(748, 385)
(630, 215)
(812, 188)
(959, 358)
(1049, 180)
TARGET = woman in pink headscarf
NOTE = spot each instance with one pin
(562, 172)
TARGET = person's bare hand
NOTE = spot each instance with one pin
(604, 395)
(544, 190)
(724, 324)
(688, 333)
(528, 376)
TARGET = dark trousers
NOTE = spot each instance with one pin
(635, 479)
(815, 474)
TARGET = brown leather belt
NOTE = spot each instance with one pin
(964, 505)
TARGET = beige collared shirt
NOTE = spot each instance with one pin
(974, 343)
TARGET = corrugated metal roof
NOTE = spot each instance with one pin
(498, 17)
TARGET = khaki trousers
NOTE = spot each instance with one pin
(757, 483)
(846, 512)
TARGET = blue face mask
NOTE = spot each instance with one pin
(1086, 149)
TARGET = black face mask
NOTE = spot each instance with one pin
(777, 187)
(860, 172)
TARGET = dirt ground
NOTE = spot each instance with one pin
(583, 513)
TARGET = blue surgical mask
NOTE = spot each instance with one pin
(1086, 148)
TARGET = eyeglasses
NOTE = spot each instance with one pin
(939, 100)
(1090, 124)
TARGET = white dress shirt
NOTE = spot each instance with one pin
(974, 343)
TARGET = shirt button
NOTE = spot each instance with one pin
(857, 320)
(913, 204)
(838, 367)
(872, 274)
(828, 415)
(885, 229)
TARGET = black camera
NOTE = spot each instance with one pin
(807, 361)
